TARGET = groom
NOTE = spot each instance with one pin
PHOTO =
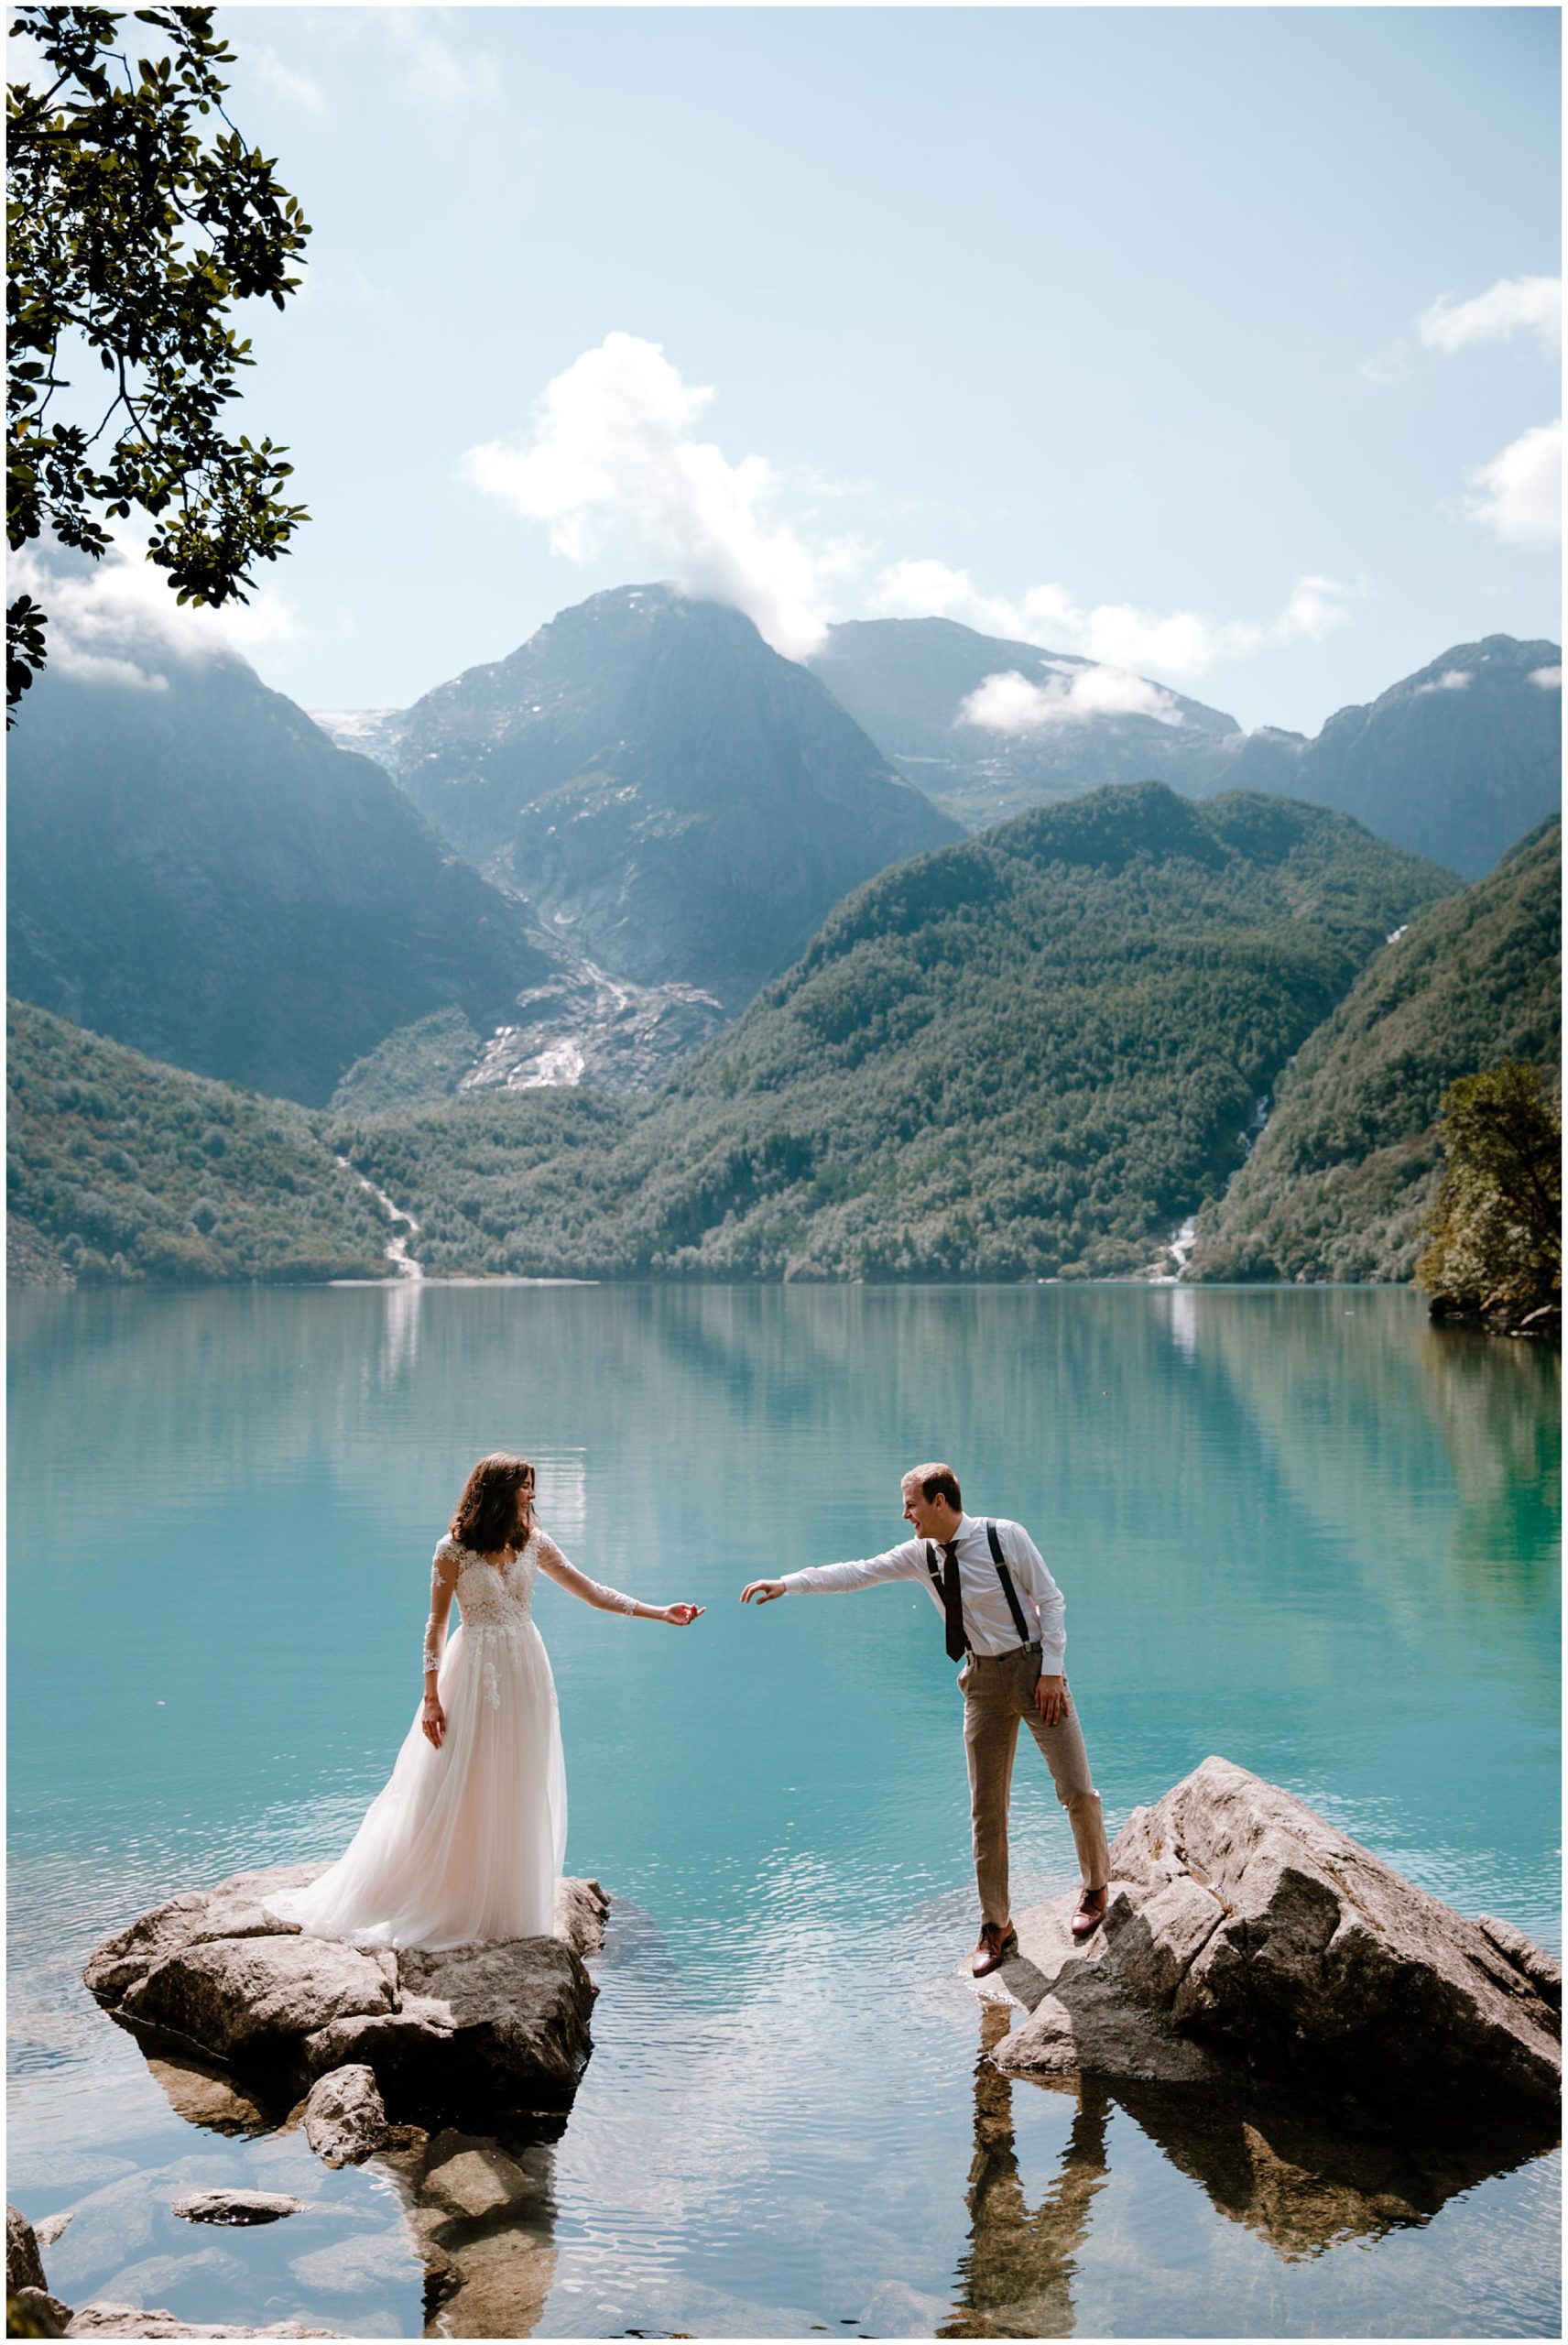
(1004, 1615)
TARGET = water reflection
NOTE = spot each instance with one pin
(482, 2210)
(478, 2210)
(1297, 2177)
(1272, 2162)
(1015, 2277)
(1499, 1408)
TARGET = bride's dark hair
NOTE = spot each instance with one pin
(486, 1513)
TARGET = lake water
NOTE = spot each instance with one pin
(1299, 1529)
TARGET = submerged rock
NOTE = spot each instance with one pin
(1245, 1934)
(236, 2205)
(130, 2321)
(502, 2024)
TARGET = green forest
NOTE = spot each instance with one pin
(1024, 1055)
(1341, 1182)
(1027, 1055)
(120, 1167)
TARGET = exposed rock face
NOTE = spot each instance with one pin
(677, 801)
(581, 1910)
(1244, 1929)
(23, 2265)
(503, 2024)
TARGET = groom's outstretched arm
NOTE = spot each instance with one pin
(903, 1562)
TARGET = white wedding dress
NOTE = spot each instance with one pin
(465, 1842)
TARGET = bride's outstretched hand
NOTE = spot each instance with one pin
(681, 1616)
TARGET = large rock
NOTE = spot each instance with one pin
(1246, 1931)
(23, 2265)
(503, 2024)
(345, 2116)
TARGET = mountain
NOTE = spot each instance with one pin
(121, 1169)
(678, 801)
(1347, 1167)
(1023, 1055)
(1456, 762)
(906, 681)
(196, 871)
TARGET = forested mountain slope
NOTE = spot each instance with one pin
(1346, 1170)
(121, 1169)
(1022, 1055)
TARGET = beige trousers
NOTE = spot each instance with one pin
(997, 1694)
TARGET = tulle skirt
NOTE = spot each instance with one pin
(465, 1842)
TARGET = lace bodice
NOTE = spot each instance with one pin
(498, 1599)
(496, 1595)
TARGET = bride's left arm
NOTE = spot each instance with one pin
(553, 1564)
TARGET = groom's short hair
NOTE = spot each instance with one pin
(938, 1481)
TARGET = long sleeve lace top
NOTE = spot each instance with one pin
(452, 1561)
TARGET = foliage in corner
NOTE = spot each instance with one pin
(1496, 1247)
(137, 218)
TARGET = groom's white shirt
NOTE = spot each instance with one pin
(986, 1618)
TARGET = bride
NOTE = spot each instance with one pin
(466, 1840)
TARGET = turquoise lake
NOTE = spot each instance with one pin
(1300, 1529)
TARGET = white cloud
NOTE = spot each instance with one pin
(1549, 679)
(1453, 679)
(430, 73)
(1122, 635)
(1514, 305)
(613, 459)
(117, 621)
(1519, 493)
(1013, 704)
(294, 89)
(612, 462)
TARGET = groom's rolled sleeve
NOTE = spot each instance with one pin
(831, 1579)
(1030, 1565)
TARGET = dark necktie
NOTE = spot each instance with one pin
(952, 1603)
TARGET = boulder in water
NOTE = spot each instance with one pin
(502, 2024)
(1245, 1932)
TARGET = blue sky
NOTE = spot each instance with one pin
(1157, 334)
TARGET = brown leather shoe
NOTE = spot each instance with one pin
(997, 1941)
(1090, 1915)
